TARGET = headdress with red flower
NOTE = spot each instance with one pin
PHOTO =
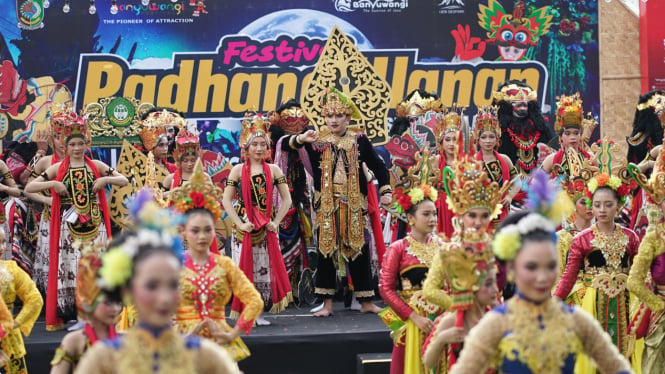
(198, 193)
(610, 171)
(416, 184)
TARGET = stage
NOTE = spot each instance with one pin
(295, 343)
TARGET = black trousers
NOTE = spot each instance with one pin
(359, 269)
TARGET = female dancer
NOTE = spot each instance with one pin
(82, 214)
(452, 121)
(487, 132)
(145, 268)
(405, 266)
(208, 280)
(651, 258)
(187, 151)
(532, 332)
(14, 282)
(155, 138)
(254, 245)
(604, 252)
(100, 313)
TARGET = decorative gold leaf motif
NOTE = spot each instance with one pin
(104, 132)
(133, 164)
(342, 66)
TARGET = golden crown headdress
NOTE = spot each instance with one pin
(515, 93)
(466, 263)
(292, 120)
(67, 124)
(569, 112)
(154, 126)
(252, 126)
(198, 192)
(186, 144)
(576, 177)
(87, 290)
(417, 105)
(452, 119)
(468, 186)
(486, 120)
(657, 102)
(334, 101)
(417, 184)
(655, 185)
(609, 169)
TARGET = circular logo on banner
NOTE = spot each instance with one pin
(120, 112)
(31, 14)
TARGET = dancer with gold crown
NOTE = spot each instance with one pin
(650, 259)
(155, 138)
(99, 311)
(208, 280)
(144, 269)
(406, 264)
(604, 251)
(499, 167)
(534, 332)
(341, 198)
(254, 244)
(574, 130)
(187, 151)
(15, 282)
(79, 212)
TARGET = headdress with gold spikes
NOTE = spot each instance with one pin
(198, 193)
(515, 93)
(186, 144)
(417, 183)
(154, 127)
(291, 119)
(468, 186)
(254, 125)
(655, 185)
(577, 176)
(569, 112)
(335, 102)
(87, 291)
(452, 119)
(486, 120)
(466, 263)
(415, 105)
(609, 170)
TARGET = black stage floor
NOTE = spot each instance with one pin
(295, 343)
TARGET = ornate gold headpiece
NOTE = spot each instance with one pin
(335, 102)
(657, 102)
(515, 93)
(466, 263)
(154, 126)
(486, 120)
(417, 183)
(417, 105)
(252, 126)
(468, 186)
(198, 192)
(292, 120)
(569, 112)
(87, 290)
(577, 176)
(68, 124)
(606, 159)
(186, 144)
(655, 185)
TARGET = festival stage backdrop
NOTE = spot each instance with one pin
(213, 60)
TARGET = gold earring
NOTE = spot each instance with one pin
(411, 223)
(510, 277)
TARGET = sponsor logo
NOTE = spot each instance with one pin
(120, 112)
(451, 7)
(373, 6)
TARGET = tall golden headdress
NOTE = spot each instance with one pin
(486, 120)
(335, 102)
(154, 126)
(609, 169)
(198, 192)
(252, 126)
(655, 185)
(419, 182)
(87, 290)
(575, 179)
(468, 186)
(417, 105)
(186, 144)
(452, 119)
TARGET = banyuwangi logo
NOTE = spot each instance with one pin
(451, 6)
(371, 6)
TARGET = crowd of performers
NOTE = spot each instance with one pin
(504, 258)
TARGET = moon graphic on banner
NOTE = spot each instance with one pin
(294, 22)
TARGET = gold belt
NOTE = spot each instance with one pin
(610, 283)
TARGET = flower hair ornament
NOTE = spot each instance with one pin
(416, 184)
(156, 226)
(198, 193)
(609, 169)
(548, 206)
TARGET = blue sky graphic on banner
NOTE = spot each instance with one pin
(214, 60)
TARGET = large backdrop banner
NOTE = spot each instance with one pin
(214, 60)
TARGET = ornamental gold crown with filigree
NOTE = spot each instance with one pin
(606, 159)
(486, 120)
(515, 93)
(254, 124)
(417, 105)
(198, 192)
(569, 112)
(186, 144)
(657, 102)
(655, 185)
(87, 290)
(154, 126)
(469, 186)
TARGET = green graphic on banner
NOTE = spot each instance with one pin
(120, 112)
(30, 14)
